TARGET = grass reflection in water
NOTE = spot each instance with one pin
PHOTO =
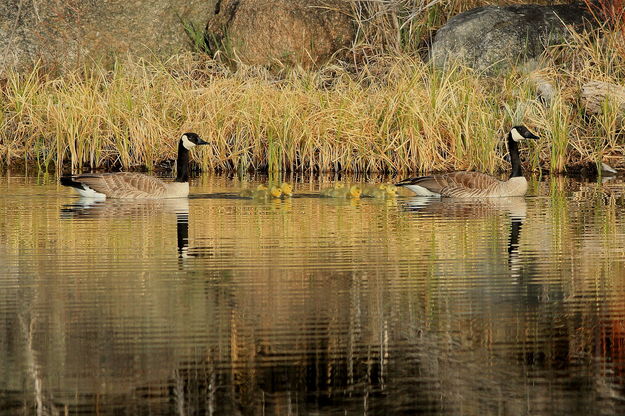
(225, 305)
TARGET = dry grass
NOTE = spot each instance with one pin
(392, 26)
(393, 114)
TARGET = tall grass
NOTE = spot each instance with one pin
(406, 26)
(397, 114)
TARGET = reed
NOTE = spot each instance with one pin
(397, 114)
(392, 26)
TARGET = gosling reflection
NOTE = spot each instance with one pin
(445, 209)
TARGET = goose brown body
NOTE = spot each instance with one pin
(476, 184)
(130, 185)
(466, 185)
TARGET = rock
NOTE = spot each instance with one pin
(492, 37)
(63, 34)
(268, 32)
(545, 88)
(595, 93)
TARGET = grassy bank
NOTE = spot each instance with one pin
(395, 113)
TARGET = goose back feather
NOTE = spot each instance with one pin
(465, 185)
(129, 185)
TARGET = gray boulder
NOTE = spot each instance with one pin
(492, 37)
(65, 33)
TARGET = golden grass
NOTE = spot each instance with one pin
(395, 115)
(392, 26)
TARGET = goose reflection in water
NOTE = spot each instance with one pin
(92, 209)
(514, 207)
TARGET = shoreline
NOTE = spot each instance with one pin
(409, 118)
(586, 170)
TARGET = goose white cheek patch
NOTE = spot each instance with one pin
(516, 136)
(188, 144)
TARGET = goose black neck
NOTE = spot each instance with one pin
(182, 164)
(515, 159)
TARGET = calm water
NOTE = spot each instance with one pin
(220, 305)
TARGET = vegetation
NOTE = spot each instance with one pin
(392, 112)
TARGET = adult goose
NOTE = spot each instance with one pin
(476, 184)
(138, 185)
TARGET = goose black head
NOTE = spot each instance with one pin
(521, 133)
(190, 140)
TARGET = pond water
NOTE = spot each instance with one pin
(309, 305)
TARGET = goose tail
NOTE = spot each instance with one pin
(82, 188)
(411, 181)
(69, 181)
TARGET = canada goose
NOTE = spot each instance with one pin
(138, 185)
(475, 184)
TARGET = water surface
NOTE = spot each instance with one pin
(221, 305)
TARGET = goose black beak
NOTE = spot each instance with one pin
(201, 142)
(532, 136)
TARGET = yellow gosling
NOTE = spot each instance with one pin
(275, 192)
(374, 190)
(354, 191)
(378, 193)
(264, 193)
(382, 190)
(287, 189)
(391, 190)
